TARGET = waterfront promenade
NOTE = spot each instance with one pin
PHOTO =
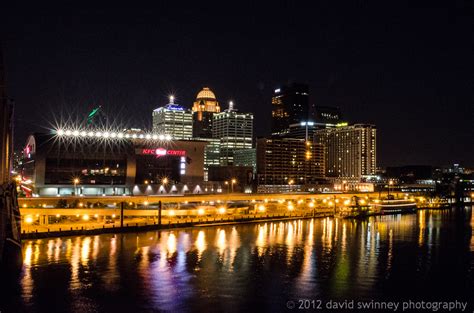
(43, 217)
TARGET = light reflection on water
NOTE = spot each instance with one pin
(234, 268)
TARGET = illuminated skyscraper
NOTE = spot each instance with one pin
(350, 151)
(173, 120)
(203, 109)
(235, 130)
(290, 105)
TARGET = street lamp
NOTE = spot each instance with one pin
(227, 184)
(75, 181)
(390, 183)
(290, 182)
(233, 181)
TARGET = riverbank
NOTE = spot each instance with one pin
(167, 226)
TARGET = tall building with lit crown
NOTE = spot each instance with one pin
(173, 120)
(290, 105)
(203, 109)
(235, 131)
(350, 150)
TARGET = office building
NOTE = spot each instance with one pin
(212, 153)
(203, 109)
(290, 105)
(350, 151)
(235, 131)
(173, 120)
(288, 163)
(246, 157)
(231, 178)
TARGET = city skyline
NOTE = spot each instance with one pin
(89, 58)
(236, 157)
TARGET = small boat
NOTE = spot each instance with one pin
(395, 206)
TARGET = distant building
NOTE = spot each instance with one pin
(409, 174)
(303, 130)
(203, 109)
(290, 105)
(246, 157)
(350, 151)
(327, 115)
(288, 162)
(232, 178)
(212, 154)
(173, 120)
(235, 131)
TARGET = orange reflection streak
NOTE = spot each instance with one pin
(280, 233)
(234, 244)
(85, 250)
(290, 242)
(171, 243)
(261, 242)
(36, 252)
(95, 247)
(220, 241)
(307, 270)
(421, 227)
(27, 282)
(49, 253)
(75, 258)
(28, 254)
(57, 249)
(201, 243)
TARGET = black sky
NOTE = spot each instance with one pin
(409, 70)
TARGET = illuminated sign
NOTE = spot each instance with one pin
(161, 152)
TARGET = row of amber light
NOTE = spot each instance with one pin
(112, 135)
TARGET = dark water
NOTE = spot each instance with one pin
(247, 268)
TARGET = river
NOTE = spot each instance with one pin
(425, 256)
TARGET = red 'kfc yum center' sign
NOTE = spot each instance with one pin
(162, 152)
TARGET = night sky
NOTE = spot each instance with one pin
(409, 70)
